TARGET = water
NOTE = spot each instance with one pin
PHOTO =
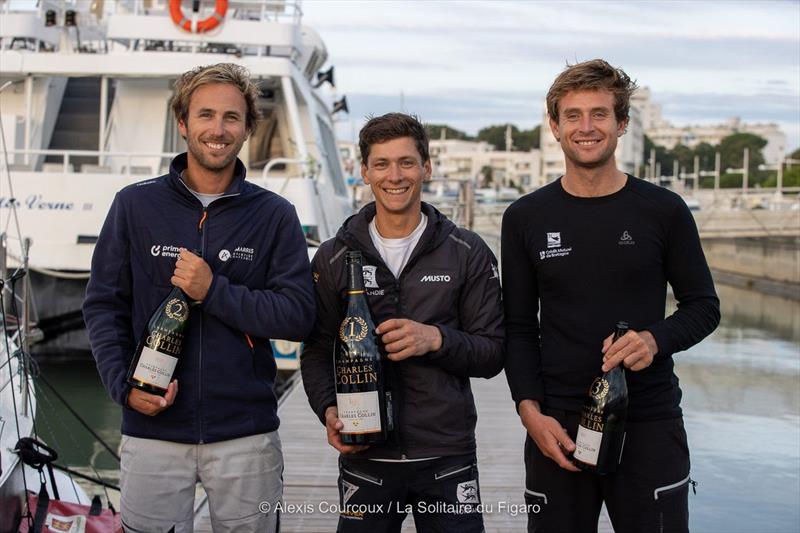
(741, 399)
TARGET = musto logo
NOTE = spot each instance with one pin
(440, 277)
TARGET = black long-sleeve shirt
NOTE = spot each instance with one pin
(585, 263)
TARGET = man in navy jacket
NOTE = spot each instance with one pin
(248, 270)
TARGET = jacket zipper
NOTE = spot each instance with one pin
(201, 231)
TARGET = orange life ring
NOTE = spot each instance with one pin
(176, 13)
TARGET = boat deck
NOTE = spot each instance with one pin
(311, 464)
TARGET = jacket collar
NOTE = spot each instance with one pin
(179, 164)
(354, 233)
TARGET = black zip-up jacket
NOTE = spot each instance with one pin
(451, 281)
(261, 289)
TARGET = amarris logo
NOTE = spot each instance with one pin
(439, 277)
(224, 255)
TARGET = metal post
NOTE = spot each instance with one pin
(4, 300)
(28, 113)
(780, 177)
(25, 326)
(101, 143)
(696, 183)
(652, 164)
(675, 173)
(745, 170)
(467, 200)
(717, 170)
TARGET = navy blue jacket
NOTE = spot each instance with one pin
(253, 242)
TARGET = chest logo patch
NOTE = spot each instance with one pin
(370, 278)
(555, 247)
(626, 239)
(224, 255)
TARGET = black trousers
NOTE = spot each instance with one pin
(443, 495)
(648, 493)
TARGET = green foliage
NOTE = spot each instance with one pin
(732, 151)
(488, 175)
(435, 132)
(707, 155)
(685, 157)
(791, 177)
(522, 140)
(795, 154)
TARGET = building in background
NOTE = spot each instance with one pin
(478, 160)
(663, 133)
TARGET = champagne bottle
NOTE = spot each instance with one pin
(601, 432)
(161, 345)
(361, 398)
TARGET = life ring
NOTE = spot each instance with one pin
(176, 13)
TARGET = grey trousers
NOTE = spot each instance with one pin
(158, 480)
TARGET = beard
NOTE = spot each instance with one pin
(197, 149)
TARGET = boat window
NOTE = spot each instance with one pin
(173, 142)
(266, 142)
(332, 156)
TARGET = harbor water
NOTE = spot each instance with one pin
(741, 400)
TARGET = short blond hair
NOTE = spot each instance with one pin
(229, 73)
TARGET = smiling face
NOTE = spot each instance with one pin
(587, 129)
(395, 172)
(215, 126)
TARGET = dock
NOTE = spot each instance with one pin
(311, 468)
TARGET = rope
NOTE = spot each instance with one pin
(80, 419)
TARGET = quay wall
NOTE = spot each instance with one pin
(768, 264)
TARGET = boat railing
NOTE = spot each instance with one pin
(264, 10)
(308, 169)
(102, 25)
(125, 161)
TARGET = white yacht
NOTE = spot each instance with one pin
(86, 113)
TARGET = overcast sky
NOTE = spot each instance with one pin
(475, 63)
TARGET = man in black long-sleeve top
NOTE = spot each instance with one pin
(592, 248)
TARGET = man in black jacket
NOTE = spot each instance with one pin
(594, 247)
(435, 295)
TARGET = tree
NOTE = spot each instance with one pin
(684, 155)
(707, 154)
(488, 175)
(732, 151)
(663, 156)
(522, 140)
(435, 132)
(496, 135)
